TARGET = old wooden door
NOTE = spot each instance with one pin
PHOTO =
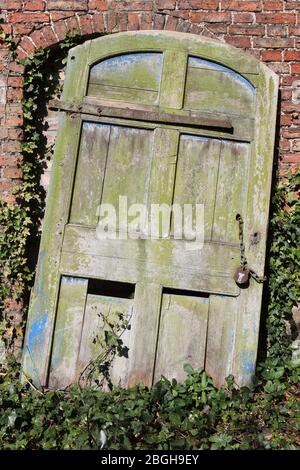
(158, 118)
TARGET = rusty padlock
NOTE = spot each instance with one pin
(241, 276)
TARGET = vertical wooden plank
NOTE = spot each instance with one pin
(128, 165)
(197, 174)
(220, 337)
(173, 79)
(231, 191)
(43, 302)
(164, 158)
(182, 335)
(98, 308)
(90, 173)
(68, 325)
(144, 330)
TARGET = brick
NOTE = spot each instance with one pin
(272, 5)
(123, 20)
(284, 144)
(291, 133)
(15, 134)
(276, 18)
(60, 29)
(86, 24)
(11, 4)
(61, 15)
(15, 81)
(34, 5)
(217, 28)
(6, 186)
(146, 21)
(277, 30)
(239, 41)
(49, 35)
(12, 173)
(171, 23)
(133, 21)
(271, 56)
(67, 5)
(196, 4)
(111, 21)
(16, 67)
(285, 120)
(293, 5)
(279, 67)
(168, 4)
(292, 55)
(135, 5)
(247, 30)
(290, 107)
(73, 25)
(183, 26)
(294, 30)
(296, 145)
(14, 94)
(101, 5)
(295, 68)
(273, 43)
(158, 21)
(38, 39)
(286, 95)
(291, 158)
(98, 23)
(22, 29)
(211, 17)
(11, 146)
(243, 17)
(27, 45)
(241, 5)
(28, 17)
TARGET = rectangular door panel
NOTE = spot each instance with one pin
(182, 335)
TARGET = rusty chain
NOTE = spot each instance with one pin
(244, 262)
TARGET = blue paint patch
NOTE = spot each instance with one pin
(103, 71)
(36, 331)
(248, 362)
(195, 61)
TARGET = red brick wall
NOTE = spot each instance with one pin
(268, 29)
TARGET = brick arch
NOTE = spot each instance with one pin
(109, 22)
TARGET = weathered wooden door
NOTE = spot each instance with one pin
(158, 118)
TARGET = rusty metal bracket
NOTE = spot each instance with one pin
(144, 113)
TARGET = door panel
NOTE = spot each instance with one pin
(182, 335)
(128, 77)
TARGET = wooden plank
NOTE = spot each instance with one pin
(173, 79)
(98, 308)
(137, 112)
(165, 149)
(67, 334)
(215, 88)
(221, 332)
(128, 169)
(123, 94)
(43, 302)
(90, 173)
(144, 330)
(231, 191)
(196, 176)
(182, 335)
